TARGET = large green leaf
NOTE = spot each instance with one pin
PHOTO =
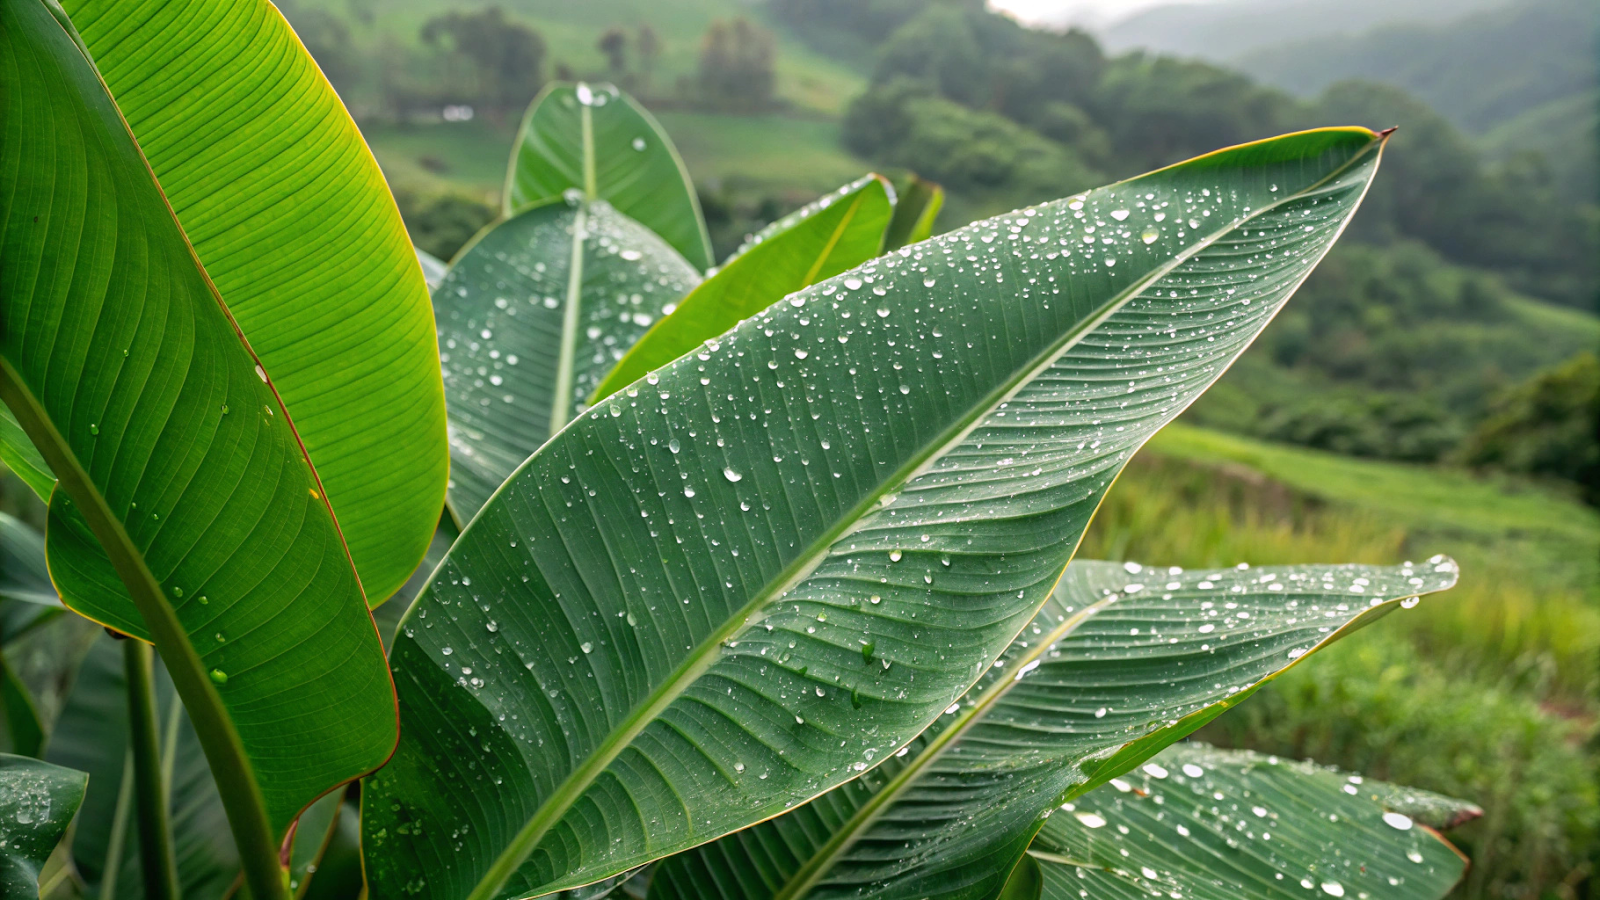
(290, 216)
(20, 456)
(599, 141)
(174, 455)
(91, 735)
(1232, 825)
(37, 801)
(726, 590)
(1122, 661)
(840, 231)
(531, 317)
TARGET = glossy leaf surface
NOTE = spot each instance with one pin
(37, 802)
(599, 141)
(837, 232)
(1122, 661)
(531, 317)
(1232, 825)
(290, 216)
(124, 368)
(709, 599)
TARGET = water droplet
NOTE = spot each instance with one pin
(1090, 820)
(638, 143)
(1119, 214)
(1149, 235)
(1396, 820)
(219, 677)
(586, 646)
(1333, 888)
(732, 475)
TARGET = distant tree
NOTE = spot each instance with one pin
(614, 44)
(647, 51)
(327, 38)
(1546, 426)
(497, 63)
(736, 66)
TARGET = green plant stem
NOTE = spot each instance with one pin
(236, 782)
(150, 797)
(109, 876)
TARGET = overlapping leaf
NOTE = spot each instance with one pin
(1232, 825)
(599, 141)
(1122, 661)
(290, 216)
(21, 457)
(914, 213)
(91, 735)
(37, 802)
(531, 317)
(128, 374)
(840, 231)
(728, 589)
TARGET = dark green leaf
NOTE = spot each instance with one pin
(530, 319)
(21, 732)
(708, 600)
(37, 801)
(1121, 662)
(597, 140)
(840, 231)
(1213, 824)
(92, 735)
(1026, 881)
(313, 834)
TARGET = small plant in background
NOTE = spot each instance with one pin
(751, 580)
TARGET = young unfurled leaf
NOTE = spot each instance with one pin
(1233, 825)
(654, 633)
(840, 231)
(594, 139)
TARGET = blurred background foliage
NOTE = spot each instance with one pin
(1434, 388)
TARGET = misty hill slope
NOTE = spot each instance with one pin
(1478, 71)
(1223, 31)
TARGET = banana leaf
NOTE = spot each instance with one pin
(761, 571)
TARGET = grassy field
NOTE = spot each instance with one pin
(1488, 691)
(1527, 611)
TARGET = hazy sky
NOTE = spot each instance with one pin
(1082, 12)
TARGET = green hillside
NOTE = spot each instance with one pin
(1479, 71)
(1222, 31)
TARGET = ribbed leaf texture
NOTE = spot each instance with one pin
(739, 583)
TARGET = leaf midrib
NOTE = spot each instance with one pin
(704, 655)
(561, 402)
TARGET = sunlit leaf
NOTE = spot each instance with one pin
(840, 231)
(1122, 661)
(174, 454)
(598, 141)
(531, 316)
(702, 605)
(1210, 824)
